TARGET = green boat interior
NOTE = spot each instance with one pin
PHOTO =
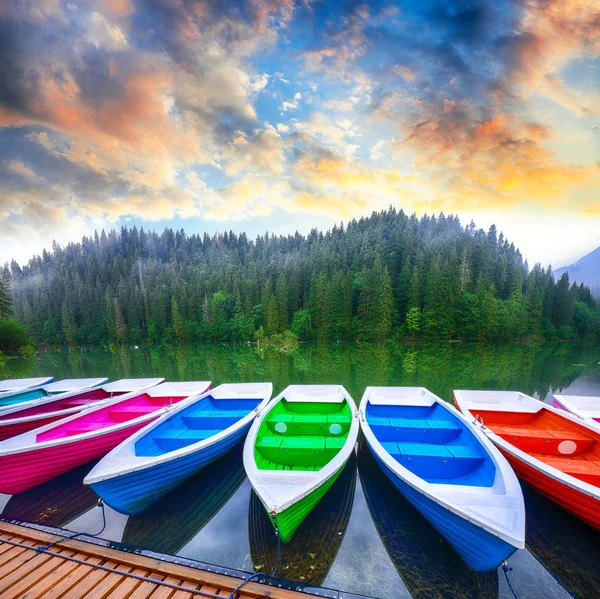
(302, 435)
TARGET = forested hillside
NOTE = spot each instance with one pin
(384, 276)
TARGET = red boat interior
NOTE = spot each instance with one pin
(556, 441)
(119, 413)
(81, 399)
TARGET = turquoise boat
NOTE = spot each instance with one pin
(27, 396)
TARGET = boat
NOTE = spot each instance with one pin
(552, 450)
(22, 417)
(188, 508)
(426, 562)
(55, 502)
(161, 456)
(30, 395)
(297, 448)
(448, 470)
(308, 557)
(45, 452)
(583, 406)
(17, 385)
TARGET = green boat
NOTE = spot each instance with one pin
(297, 448)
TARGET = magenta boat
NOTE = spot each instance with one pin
(43, 453)
(586, 407)
(20, 418)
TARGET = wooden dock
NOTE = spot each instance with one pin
(76, 568)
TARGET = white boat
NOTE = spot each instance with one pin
(21, 417)
(586, 407)
(157, 458)
(448, 470)
(16, 385)
(29, 396)
(297, 448)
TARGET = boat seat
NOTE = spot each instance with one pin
(301, 452)
(80, 429)
(171, 440)
(414, 430)
(212, 420)
(438, 463)
(547, 442)
(335, 443)
(585, 470)
(125, 413)
(309, 424)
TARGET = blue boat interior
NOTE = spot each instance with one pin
(195, 423)
(432, 443)
(24, 396)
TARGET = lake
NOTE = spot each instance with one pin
(363, 537)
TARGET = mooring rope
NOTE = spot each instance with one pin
(44, 548)
(257, 574)
(506, 569)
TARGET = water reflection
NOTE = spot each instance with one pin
(307, 558)
(173, 521)
(426, 562)
(566, 546)
(56, 502)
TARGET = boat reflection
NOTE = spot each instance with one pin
(565, 545)
(172, 522)
(55, 502)
(427, 563)
(309, 555)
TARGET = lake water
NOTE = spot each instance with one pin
(363, 537)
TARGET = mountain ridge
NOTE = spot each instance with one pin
(586, 270)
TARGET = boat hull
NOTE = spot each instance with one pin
(578, 503)
(25, 469)
(479, 549)
(18, 428)
(132, 493)
(288, 521)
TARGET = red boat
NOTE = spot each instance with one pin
(20, 418)
(557, 453)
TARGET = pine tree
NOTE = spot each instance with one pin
(385, 306)
(5, 297)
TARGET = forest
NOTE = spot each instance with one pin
(387, 276)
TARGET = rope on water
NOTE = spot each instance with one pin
(44, 548)
(506, 569)
(257, 574)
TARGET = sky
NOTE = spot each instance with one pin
(277, 115)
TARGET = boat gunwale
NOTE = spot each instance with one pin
(8, 447)
(433, 490)
(40, 401)
(145, 462)
(61, 397)
(308, 480)
(40, 382)
(554, 473)
(570, 408)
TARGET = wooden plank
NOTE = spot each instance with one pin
(29, 577)
(165, 592)
(19, 562)
(145, 589)
(110, 582)
(226, 583)
(128, 586)
(85, 586)
(42, 587)
(64, 587)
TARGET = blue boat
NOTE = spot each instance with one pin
(162, 455)
(448, 470)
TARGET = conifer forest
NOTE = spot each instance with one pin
(390, 275)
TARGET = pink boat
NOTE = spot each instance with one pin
(43, 453)
(585, 407)
(20, 418)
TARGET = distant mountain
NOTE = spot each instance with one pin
(586, 270)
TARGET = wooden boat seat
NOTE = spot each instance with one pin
(301, 452)
(177, 438)
(212, 420)
(439, 463)
(585, 470)
(414, 430)
(126, 413)
(80, 429)
(310, 424)
(544, 441)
